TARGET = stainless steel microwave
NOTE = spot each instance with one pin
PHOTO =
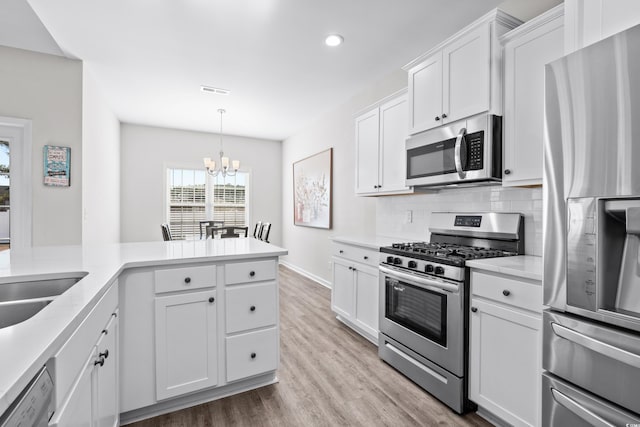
(466, 151)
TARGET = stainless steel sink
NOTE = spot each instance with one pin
(22, 299)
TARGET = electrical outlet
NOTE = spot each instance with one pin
(408, 217)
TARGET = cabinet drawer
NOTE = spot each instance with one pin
(251, 306)
(254, 271)
(251, 354)
(185, 278)
(508, 290)
(355, 253)
(69, 360)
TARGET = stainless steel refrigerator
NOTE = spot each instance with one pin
(591, 330)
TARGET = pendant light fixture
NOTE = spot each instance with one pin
(223, 167)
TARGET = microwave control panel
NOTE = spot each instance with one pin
(475, 152)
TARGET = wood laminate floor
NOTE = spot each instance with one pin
(329, 376)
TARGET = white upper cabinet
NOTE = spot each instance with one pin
(527, 49)
(588, 21)
(460, 77)
(380, 137)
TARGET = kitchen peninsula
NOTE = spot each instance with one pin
(172, 315)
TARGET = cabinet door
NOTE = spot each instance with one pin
(505, 362)
(366, 313)
(393, 133)
(367, 152)
(525, 58)
(425, 94)
(465, 82)
(107, 404)
(342, 292)
(186, 343)
(79, 407)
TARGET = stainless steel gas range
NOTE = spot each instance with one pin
(424, 298)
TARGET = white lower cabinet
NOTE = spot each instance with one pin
(86, 370)
(505, 347)
(354, 293)
(252, 353)
(186, 343)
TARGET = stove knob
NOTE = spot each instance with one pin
(439, 270)
(389, 260)
(397, 261)
(413, 264)
(428, 268)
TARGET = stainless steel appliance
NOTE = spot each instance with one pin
(34, 406)
(467, 151)
(591, 334)
(424, 298)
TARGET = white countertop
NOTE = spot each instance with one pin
(371, 242)
(26, 347)
(525, 266)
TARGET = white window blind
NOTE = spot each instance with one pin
(195, 196)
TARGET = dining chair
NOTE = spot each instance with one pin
(264, 232)
(227, 232)
(257, 229)
(166, 232)
(208, 223)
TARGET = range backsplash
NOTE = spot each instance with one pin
(391, 212)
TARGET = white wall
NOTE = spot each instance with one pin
(309, 248)
(147, 151)
(101, 165)
(47, 89)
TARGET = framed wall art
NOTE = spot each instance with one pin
(312, 190)
(57, 166)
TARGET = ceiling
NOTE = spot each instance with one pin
(151, 56)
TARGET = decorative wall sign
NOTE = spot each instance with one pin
(312, 190)
(57, 166)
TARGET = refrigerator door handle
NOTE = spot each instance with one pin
(598, 346)
(579, 410)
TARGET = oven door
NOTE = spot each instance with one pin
(424, 314)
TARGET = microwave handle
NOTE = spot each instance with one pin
(458, 152)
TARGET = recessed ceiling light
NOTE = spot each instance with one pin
(334, 40)
(216, 90)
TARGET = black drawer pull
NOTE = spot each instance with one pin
(105, 354)
(474, 309)
(99, 362)
(366, 257)
(341, 251)
(252, 273)
(506, 292)
(187, 280)
(252, 308)
(253, 355)
(211, 299)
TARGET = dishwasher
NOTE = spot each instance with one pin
(34, 406)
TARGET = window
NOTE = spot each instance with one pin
(195, 196)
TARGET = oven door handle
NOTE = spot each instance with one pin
(435, 285)
(458, 152)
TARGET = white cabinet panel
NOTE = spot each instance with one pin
(107, 373)
(251, 306)
(393, 134)
(185, 278)
(342, 293)
(425, 93)
(252, 354)
(77, 410)
(186, 343)
(254, 271)
(367, 152)
(366, 313)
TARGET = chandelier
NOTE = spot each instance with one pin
(223, 167)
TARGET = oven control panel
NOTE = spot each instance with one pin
(426, 268)
(468, 221)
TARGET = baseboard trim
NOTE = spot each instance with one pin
(306, 274)
(359, 330)
(197, 398)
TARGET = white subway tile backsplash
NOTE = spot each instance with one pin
(390, 211)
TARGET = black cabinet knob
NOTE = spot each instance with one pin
(253, 355)
(211, 299)
(187, 280)
(444, 116)
(341, 251)
(437, 118)
(252, 273)
(366, 257)
(99, 362)
(506, 292)
(474, 309)
(507, 171)
(252, 308)
(105, 354)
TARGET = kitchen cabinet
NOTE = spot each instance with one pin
(527, 49)
(588, 21)
(86, 370)
(460, 77)
(354, 294)
(505, 347)
(380, 151)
